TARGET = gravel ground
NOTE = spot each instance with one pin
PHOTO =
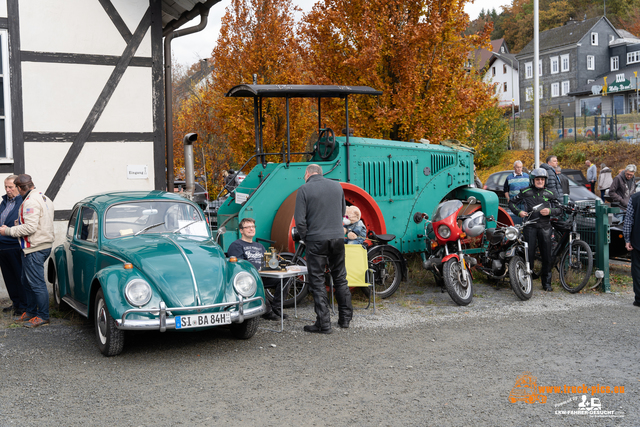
(420, 360)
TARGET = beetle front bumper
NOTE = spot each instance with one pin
(166, 319)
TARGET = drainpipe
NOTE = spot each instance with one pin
(170, 34)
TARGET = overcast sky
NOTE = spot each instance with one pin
(189, 49)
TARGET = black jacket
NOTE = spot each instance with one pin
(532, 196)
(320, 207)
(553, 182)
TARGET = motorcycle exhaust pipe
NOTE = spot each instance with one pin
(431, 262)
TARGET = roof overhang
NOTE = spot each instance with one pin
(176, 13)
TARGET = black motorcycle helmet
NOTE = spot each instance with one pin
(537, 173)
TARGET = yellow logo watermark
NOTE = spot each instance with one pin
(527, 389)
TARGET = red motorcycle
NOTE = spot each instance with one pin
(449, 264)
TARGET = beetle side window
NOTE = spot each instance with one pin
(88, 225)
(71, 228)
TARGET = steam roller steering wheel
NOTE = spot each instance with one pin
(327, 145)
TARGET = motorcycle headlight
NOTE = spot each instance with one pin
(511, 233)
(137, 292)
(245, 284)
(444, 231)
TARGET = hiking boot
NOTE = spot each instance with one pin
(35, 322)
(317, 330)
(23, 317)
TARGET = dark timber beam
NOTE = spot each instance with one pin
(99, 106)
(15, 68)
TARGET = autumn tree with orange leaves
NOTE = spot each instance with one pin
(257, 37)
(413, 51)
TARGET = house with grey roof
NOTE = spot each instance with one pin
(498, 67)
(616, 90)
(571, 56)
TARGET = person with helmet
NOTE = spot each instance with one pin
(538, 231)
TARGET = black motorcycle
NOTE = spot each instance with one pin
(507, 254)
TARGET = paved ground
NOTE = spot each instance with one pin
(420, 360)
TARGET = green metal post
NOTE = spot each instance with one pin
(603, 239)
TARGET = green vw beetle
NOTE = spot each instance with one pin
(147, 261)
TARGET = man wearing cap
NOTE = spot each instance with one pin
(34, 229)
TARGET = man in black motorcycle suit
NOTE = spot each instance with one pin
(540, 231)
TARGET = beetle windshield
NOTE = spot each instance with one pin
(155, 216)
(446, 209)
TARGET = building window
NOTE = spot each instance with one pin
(528, 67)
(620, 78)
(501, 49)
(566, 86)
(591, 62)
(504, 68)
(555, 90)
(591, 107)
(594, 39)
(554, 65)
(564, 60)
(6, 147)
(529, 93)
(540, 67)
(493, 71)
(615, 63)
(633, 57)
(504, 87)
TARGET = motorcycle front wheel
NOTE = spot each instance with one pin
(519, 278)
(460, 291)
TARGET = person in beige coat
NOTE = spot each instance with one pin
(34, 229)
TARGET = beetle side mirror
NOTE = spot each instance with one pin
(219, 233)
(471, 200)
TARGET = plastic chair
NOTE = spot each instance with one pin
(359, 275)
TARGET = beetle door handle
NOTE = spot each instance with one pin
(450, 176)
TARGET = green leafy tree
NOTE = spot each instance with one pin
(490, 133)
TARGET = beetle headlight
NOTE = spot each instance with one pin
(444, 231)
(137, 292)
(511, 233)
(245, 284)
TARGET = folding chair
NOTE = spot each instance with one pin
(359, 275)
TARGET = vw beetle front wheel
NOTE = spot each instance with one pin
(110, 338)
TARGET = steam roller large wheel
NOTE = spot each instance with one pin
(353, 195)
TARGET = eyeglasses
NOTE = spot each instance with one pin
(248, 226)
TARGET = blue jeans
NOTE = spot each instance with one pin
(33, 280)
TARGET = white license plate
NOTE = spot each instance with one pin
(203, 320)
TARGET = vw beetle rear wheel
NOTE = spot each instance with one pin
(110, 338)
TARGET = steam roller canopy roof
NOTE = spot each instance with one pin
(299, 91)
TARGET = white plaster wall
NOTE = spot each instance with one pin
(100, 167)
(3, 9)
(78, 26)
(131, 13)
(59, 98)
(500, 78)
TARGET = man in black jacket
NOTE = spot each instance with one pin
(553, 182)
(539, 232)
(320, 207)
